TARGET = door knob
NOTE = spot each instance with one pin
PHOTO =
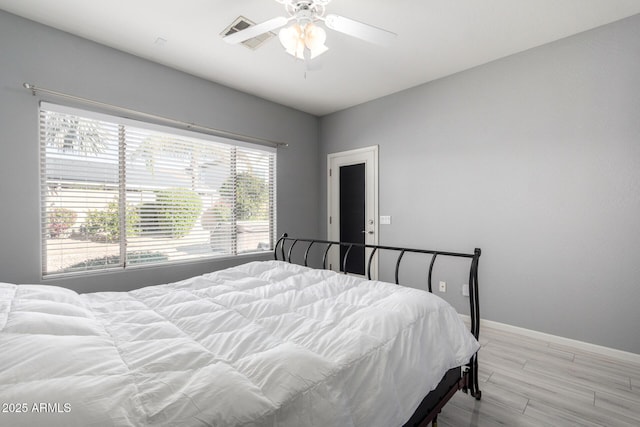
(367, 232)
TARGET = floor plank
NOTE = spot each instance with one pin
(527, 381)
(620, 405)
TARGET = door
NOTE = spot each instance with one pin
(353, 207)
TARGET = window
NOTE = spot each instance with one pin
(117, 193)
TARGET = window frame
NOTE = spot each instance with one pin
(123, 187)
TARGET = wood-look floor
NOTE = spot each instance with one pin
(530, 382)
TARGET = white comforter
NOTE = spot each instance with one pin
(263, 344)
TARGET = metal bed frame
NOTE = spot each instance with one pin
(463, 378)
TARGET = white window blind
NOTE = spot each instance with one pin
(117, 193)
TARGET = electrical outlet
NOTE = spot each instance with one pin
(465, 290)
(443, 286)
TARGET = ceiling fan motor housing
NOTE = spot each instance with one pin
(305, 11)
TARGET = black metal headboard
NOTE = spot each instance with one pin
(281, 254)
(285, 255)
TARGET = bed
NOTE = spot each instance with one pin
(267, 343)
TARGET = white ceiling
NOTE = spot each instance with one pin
(435, 38)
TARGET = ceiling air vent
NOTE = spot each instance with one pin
(240, 24)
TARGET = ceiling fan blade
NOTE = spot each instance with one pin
(357, 29)
(256, 30)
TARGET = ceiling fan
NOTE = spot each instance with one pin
(304, 39)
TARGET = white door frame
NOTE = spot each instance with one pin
(368, 156)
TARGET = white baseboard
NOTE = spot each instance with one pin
(585, 346)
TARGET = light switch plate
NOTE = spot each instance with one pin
(385, 219)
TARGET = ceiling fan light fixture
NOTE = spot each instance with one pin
(296, 38)
(292, 40)
(314, 37)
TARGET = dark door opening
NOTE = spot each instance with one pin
(352, 216)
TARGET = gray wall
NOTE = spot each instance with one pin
(34, 53)
(535, 158)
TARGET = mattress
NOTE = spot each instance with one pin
(262, 344)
